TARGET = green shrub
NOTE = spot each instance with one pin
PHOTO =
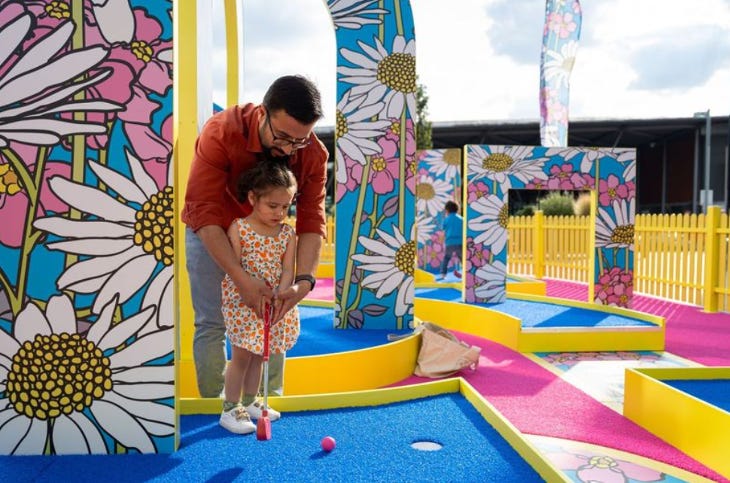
(527, 210)
(582, 205)
(557, 204)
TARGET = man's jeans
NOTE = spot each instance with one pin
(450, 252)
(209, 341)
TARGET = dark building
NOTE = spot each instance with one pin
(670, 152)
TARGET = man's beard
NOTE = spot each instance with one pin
(269, 154)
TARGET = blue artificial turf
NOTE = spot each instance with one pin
(541, 314)
(373, 444)
(715, 391)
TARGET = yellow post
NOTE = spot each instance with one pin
(185, 133)
(538, 234)
(232, 54)
(592, 243)
(712, 249)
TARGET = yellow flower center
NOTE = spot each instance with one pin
(153, 226)
(623, 234)
(395, 128)
(405, 258)
(504, 216)
(141, 50)
(398, 71)
(603, 462)
(378, 164)
(57, 9)
(341, 126)
(452, 157)
(57, 374)
(612, 192)
(497, 162)
(8, 180)
(425, 191)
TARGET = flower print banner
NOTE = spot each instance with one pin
(86, 246)
(494, 170)
(559, 46)
(439, 181)
(375, 164)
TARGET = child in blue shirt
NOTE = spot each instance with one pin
(453, 226)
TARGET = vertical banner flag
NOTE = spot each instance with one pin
(559, 46)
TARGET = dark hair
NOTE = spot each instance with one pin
(265, 176)
(451, 206)
(296, 95)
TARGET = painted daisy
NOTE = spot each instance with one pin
(392, 262)
(490, 224)
(356, 133)
(425, 226)
(38, 85)
(559, 65)
(491, 279)
(431, 195)
(65, 391)
(505, 164)
(444, 163)
(128, 241)
(382, 75)
(619, 231)
(352, 14)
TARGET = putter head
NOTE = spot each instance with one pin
(263, 428)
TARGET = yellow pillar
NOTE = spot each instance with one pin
(539, 244)
(232, 54)
(712, 264)
(184, 135)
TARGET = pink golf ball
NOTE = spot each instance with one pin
(328, 443)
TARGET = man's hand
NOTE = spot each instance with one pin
(286, 299)
(256, 294)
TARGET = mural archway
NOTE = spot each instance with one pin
(491, 171)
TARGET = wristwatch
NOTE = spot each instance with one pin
(306, 277)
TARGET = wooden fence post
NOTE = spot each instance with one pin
(712, 264)
(539, 244)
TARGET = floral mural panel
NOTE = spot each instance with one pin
(375, 164)
(491, 171)
(438, 181)
(86, 244)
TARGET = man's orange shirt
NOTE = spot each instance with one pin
(230, 144)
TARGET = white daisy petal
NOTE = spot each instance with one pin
(145, 391)
(121, 184)
(61, 315)
(95, 202)
(92, 268)
(119, 333)
(146, 373)
(141, 177)
(149, 347)
(31, 322)
(122, 426)
(8, 346)
(98, 329)
(126, 281)
(34, 441)
(140, 403)
(13, 429)
(81, 229)
(92, 246)
(76, 434)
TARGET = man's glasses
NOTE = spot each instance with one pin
(283, 142)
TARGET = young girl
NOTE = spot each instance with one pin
(267, 247)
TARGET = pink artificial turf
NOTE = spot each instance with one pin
(538, 402)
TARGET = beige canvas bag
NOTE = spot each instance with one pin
(442, 353)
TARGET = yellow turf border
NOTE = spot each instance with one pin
(694, 426)
(377, 397)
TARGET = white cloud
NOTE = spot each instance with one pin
(469, 78)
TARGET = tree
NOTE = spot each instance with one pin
(423, 125)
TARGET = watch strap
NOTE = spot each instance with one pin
(306, 277)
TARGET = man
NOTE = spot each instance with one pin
(232, 141)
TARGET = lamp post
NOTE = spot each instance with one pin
(708, 139)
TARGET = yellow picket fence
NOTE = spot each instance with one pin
(685, 258)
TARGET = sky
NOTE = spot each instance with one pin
(479, 60)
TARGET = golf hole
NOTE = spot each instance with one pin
(426, 445)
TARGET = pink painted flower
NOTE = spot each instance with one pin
(353, 180)
(561, 177)
(476, 190)
(14, 199)
(385, 167)
(476, 255)
(562, 24)
(611, 189)
(615, 287)
(590, 467)
(582, 181)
